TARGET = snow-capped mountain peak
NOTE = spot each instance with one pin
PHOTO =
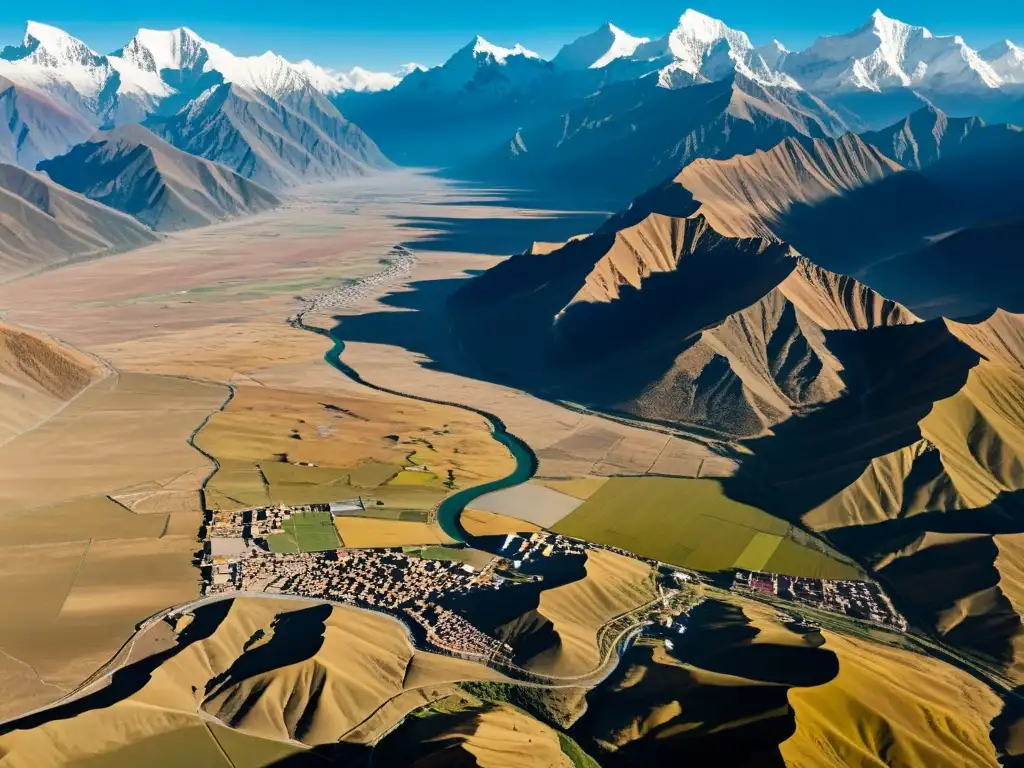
(156, 49)
(887, 53)
(598, 49)
(481, 62)
(482, 47)
(701, 48)
(1006, 60)
(331, 81)
(48, 46)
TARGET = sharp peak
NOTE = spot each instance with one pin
(614, 29)
(180, 31)
(695, 15)
(479, 44)
(42, 32)
(879, 19)
(41, 27)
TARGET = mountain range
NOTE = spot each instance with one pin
(789, 308)
(131, 169)
(645, 107)
(609, 100)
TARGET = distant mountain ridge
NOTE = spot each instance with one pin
(42, 224)
(62, 85)
(133, 170)
(300, 138)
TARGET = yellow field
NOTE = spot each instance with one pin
(480, 523)
(125, 431)
(578, 487)
(364, 532)
(691, 523)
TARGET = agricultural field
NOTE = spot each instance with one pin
(306, 532)
(368, 533)
(533, 503)
(102, 491)
(708, 531)
(304, 447)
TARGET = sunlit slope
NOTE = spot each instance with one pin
(275, 669)
(133, 170)
(37, 376)
(752, 194)
(669, 320)
(936, 238)
(917, 472)
(743, 688)
(614, 585)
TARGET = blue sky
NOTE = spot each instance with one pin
(384, 34)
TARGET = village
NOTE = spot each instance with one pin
(862, 600)
(404, 584)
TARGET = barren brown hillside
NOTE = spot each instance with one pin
(37, 376)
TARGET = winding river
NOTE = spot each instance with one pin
(451, 507)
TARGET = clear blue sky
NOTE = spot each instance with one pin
(384, 33)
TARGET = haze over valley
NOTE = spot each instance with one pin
(657, 401)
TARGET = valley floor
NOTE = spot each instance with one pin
(106, 491)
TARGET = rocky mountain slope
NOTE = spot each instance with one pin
(43, 224)
(299, 139)
(749, 350)
(133, 170)
(630, 135)
(36, 126)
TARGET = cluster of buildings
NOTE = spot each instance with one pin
(400, 261)
(236, 535)
(520, 549)
(857, 599)
(381, 579)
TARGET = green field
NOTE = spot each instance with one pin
(306, 532)
(692, 524)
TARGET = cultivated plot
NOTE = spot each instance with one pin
(691, 523)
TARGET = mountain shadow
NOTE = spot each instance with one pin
(654, 710)
(132, 678)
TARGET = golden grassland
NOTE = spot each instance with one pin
(891, 707)
(68, 606)
(460, 728)
(358, 444)
(127, 430)
(71, 557)
(614, 584)
(364, 661)
(752, 688)
(707, 530)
